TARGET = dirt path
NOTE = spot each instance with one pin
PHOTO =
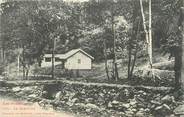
(10, 107)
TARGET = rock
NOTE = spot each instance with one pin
(167, 99)
(125, 105)
(134, 110)
(32, 96)
(69, 103)
(89, 100)
(101, 94)
(163, 110)
(133, 102)
(126, 92)
(109, 105)
(155, 102)
(44, 94)
(27, 89)
(16, 89)
(147, 110)
(114, 102)
(129, 113)
(74, 100)
(166, 107)
(140, 114)
(80, 104)
(58, 95)
(88, 110)
(93, 106)
(158, 108)
(179, 110)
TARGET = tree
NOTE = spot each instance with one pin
(168, 19)
(181, 27)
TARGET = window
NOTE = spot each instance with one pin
(57, 59)
(47, 59)
(79, 61)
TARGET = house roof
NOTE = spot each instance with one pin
(69, 54)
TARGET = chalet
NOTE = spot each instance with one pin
(74, 59)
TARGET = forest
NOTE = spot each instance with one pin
(108, 30)
(137, 45)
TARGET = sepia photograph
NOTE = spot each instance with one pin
(91, 58)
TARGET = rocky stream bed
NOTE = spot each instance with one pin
(101, 100)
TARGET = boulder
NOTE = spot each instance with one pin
(114, 102)
(125, 105)
(179, 110)
(129, 113)
(155, 102)
(167, 99)
(163, 110)
(32, 96)
(74, 100)
(109, 105)
(140, 114)
(16, 89)
(93, 106)
(58, 95)
(133, 102)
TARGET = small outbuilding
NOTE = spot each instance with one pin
(75, 59)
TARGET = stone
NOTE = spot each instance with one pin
(166, 107)
(140, 114)
(109, 105)
(69, 103)
(129, 113)
(155, 102)
(114, 102)
(58, 95)
(125, 105)
(93, 106)
(163, 109)
(147, 110)
(16, 89)
(167, 98)
(133, 102)
(27, 89)
(179, 110)
(134, 110)
(88, 110)
(32, 96)
(74, 100)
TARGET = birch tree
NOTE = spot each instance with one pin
(148, 32)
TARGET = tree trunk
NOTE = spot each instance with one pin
(18, 65)
(134, 60)
(144, 23)
(23, 63)
(129, 60)
(105, 56)
(53, 59)
(27, 72)
(182, 33)
(177, 67)
(115, 69)
(182, 69)
(150, 36)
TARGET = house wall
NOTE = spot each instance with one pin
(49, 64)
(72, 62)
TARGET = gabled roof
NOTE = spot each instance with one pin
(69, 54)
